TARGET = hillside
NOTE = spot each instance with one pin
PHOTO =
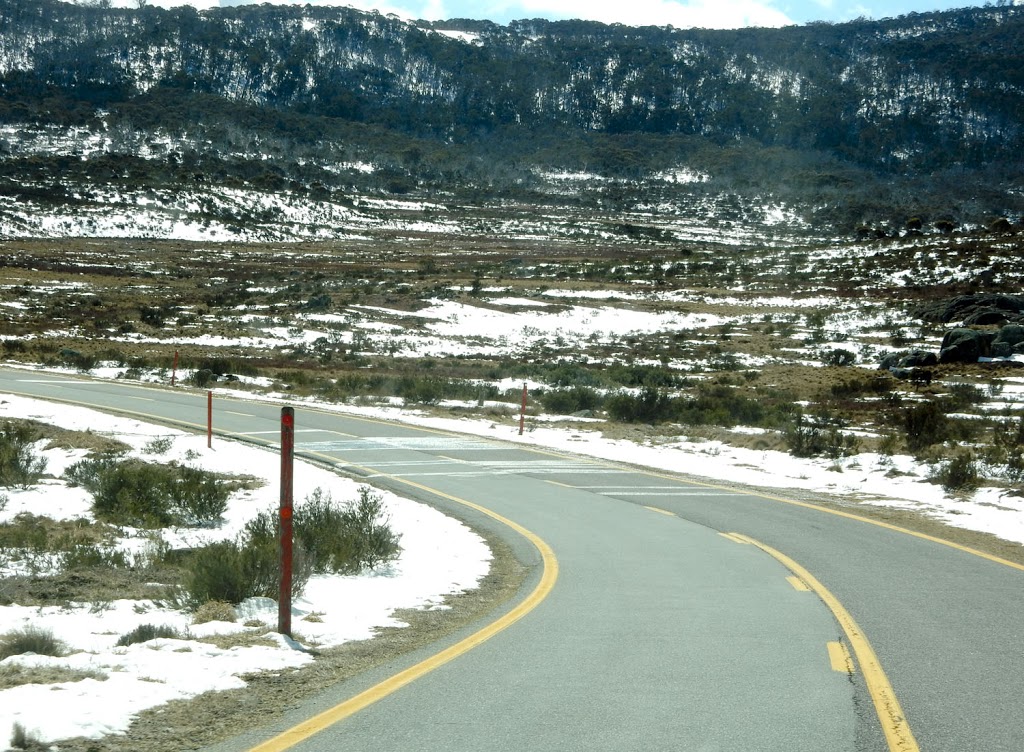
(275, 122)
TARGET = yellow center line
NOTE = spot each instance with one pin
(340, 712)
(890, 714)
(734, 538)
(661, 511)
(839, 658)
(798, 584)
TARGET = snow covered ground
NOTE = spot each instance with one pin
(142, 676)
(439, 556)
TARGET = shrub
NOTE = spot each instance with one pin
(958, 474)
(820, 436)
(839, 357)
(141, 494)
(328, 537)
(159, 445)
(93, 557)
(224, 571)
(30, 640)
(569, 401)
(20, 466)
(23, 739)
(924, 424)
(650, 406)
(147, 632)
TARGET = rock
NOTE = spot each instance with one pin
(985, 317)
(1011, 334)
(964, 306)
(964, 346)
(906, 360)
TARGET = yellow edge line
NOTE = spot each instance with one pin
(366, 698)
(339, 712)
(890, 714)
(840, 658)
(598, 463)
(798, 584)
(661, 511)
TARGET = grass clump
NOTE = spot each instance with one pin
(23, 739)
(30, 639)
(147, 632)
(13, 675)
(20, 465)
(328, 538)
(147, 495)
(215, 611)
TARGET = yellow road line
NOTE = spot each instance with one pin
(597, 463)
(798, 584)
(317, 723)
(890, 714)
(661, 511)
(343, 710)
(839, 658)
(734, 538)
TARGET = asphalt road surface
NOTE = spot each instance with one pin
(643, 627)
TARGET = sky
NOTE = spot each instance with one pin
(719, 14)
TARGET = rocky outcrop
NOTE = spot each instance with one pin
(974, 310)
(965, 346)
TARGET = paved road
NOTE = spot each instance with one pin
(660, 633)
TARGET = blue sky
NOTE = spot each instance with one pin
(679, 13)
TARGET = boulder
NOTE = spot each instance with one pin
(985, 317)
(963, 307)
(964, 346)
(1011, 334)
(907, 360)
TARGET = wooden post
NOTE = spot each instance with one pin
(522, 412)
(174, 370)
(284, 601)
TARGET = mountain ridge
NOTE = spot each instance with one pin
(869, 124)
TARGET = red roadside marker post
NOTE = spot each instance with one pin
(522, 412)
(284, 600)
(209, 420)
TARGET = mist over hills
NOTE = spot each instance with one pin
(280, 121)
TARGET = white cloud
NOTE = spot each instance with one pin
(710, 14)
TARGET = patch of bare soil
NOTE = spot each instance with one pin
(215, 716)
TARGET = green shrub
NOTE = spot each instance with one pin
(147, 632)
(20, 466)
(30, 640)
(328, 537)
(141, 494)
(839, 357)
(959, 474)
(93, 557)
(649, 406)
(924, 424)
(821, 436)
(569, 401)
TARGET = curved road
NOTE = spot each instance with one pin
(648, 629)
